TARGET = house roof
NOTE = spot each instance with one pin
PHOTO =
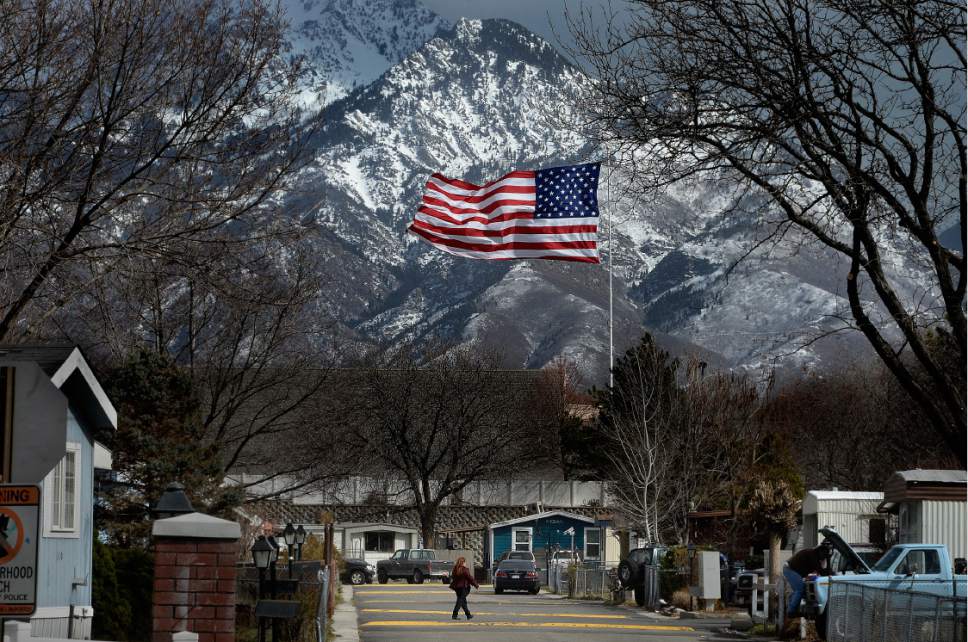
(69, 371)
(376, 525)
(933, 476)
(537, 516)
(920, 485)
(839, 501)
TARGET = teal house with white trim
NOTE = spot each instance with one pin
(546, 531)
(52, 407)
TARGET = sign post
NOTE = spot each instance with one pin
(19, 521)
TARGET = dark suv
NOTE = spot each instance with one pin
(631, 570)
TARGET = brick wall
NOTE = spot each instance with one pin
(194, 588)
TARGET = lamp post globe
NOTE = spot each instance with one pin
(289, 534)
(300, 535)
(261, 553)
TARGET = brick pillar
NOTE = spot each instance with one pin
(194, 587)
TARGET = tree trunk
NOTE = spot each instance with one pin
(428, 519)
(774, 569)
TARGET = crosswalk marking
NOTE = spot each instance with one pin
(527, 625)
(571, 615)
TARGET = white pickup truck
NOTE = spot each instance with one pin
(919, 568)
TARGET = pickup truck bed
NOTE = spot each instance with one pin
(414, 565)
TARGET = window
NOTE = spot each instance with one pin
(521, 538)
(593, 543)
(62, 501)
(920, 562)
(379, 541)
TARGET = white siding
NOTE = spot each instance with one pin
(848, 516)
(944, 522)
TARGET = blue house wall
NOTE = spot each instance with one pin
(61, 559)
(546, 532)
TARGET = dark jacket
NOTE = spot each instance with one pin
(810, 560)
(463, 579)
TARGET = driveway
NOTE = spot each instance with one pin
(423, 612)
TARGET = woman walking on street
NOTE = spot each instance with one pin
(461, 581)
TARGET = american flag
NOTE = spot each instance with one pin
(545, 214)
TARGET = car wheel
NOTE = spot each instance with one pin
(418, 577)
(535, 590)
(640, 595)
(357, 578)
(409, 579)
(445, 580)
(382, 577)
(627, 574)
(498, 590)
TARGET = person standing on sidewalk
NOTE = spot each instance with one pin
(461, 582)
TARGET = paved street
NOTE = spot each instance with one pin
(397, 611)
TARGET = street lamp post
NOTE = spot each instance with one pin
(272, 582)
(261, 556)
(300, 540)
(289, 534)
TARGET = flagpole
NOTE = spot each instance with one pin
(611, 341)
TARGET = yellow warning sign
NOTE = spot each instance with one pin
(19, 521)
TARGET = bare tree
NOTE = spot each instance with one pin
(678, 439)
(849, 117)
(135, 128)
(851, 428)
(641, 416)
(249, 334)
(438, 419)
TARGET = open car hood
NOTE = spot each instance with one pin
(845, 550)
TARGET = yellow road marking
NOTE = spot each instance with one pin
(368, 587)
(574, 615)
(529, 625)
(378, 592)
(542, 604)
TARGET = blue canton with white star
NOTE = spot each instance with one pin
(567, 192)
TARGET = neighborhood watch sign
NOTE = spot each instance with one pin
(19, 519)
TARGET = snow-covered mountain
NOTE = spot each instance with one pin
(345, 44)
(481, 98)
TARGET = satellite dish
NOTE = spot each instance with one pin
(570, 530)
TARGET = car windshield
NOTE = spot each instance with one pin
(888, 560)
(520, 556)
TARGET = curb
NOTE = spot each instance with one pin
(345, 625)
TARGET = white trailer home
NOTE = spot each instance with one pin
(930, 506)
(852, 514)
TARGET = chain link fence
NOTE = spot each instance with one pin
(857, 612)
(583, 582)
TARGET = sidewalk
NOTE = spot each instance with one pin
(345, 627)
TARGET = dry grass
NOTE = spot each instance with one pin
(682, 599)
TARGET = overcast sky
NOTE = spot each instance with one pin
(544, 17)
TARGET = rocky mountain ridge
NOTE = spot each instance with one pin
(485, 97)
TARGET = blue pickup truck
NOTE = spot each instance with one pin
(921, 568)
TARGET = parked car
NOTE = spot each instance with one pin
(565, 557)
(631, 570)
(414, 565)
(517, 575)
(925, 568)
(357, 572)
(514, 555)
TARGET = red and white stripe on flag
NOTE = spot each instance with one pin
(497, 221)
